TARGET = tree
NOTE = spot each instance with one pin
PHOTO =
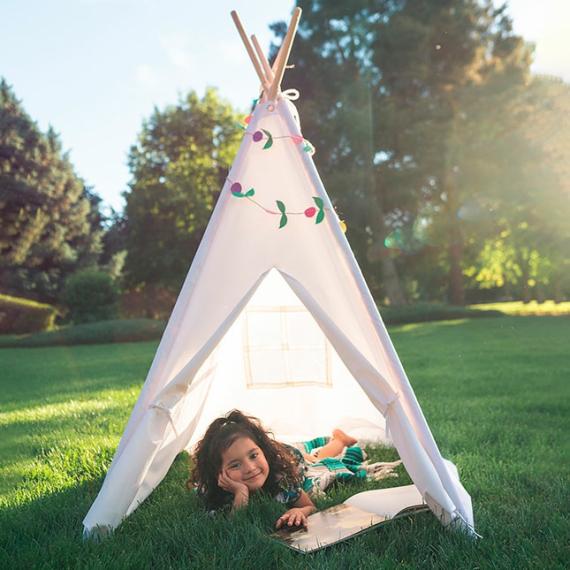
(528, 244)
(114, 252)
(456, 67)
(49, 218)
(425, 68)
(178, 167)
(339, 105)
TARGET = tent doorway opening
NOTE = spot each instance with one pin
(276, 363)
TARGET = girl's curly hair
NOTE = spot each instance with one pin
(219, 436)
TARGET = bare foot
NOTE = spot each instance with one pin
(346, 439)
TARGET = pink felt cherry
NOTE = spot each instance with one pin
(247, 120)
(310, 212)
(297, 139)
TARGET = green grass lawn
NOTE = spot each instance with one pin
(495, 393)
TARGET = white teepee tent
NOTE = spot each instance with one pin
(274, 318)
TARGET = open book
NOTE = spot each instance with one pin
(355, 516)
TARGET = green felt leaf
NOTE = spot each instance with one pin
(283, 221)
(269, 142)
(319, 202)
(309, 148)
(238, 194)
(281, 206)
(320, 217)
(250, 192)
(242, 127)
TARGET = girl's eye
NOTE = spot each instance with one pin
(254, 455)
(234, 466)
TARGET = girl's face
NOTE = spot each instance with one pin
(244, 462)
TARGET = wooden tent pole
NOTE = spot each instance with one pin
(249, 50)
(262, 59)
(286, 48)
(265, 62)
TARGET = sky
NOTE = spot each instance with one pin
(95, 69)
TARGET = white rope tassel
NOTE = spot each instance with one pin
(291, 94)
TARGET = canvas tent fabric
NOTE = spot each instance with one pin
(275, 320)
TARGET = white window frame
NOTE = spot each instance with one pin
(287, 347)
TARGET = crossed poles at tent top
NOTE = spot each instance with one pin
(270, 77)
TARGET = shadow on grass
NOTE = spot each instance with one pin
(172, 530)
(518, 521)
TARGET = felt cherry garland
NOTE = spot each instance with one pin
(260, 134)
(236, 191)
(317, 212)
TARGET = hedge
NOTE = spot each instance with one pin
(102, 332)
(21, 316)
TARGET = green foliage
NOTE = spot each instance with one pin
(102, 332)
(494, 392)
(91, 295)
(50, 220)
(433, 140)
(524, 245)
(20, 316)
(178, 167)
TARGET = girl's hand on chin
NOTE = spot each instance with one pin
(293, 517)
(232, 486)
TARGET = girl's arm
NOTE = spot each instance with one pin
(239, 491)
(297, 516)
(241, 499)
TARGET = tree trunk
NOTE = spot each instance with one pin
(540, 293)
(557, 289)
(392, 283)
(508, 291)
(376, 219)
(526, 296)
(390, 277)
(456, 289)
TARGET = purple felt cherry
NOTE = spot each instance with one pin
(235, 188)
(257, 136)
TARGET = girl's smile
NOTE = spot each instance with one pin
(244, 462)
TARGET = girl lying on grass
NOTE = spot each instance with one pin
(237, 457)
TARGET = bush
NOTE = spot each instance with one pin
(20, 316)
(91, 296)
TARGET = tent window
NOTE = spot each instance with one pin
(283, 346)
